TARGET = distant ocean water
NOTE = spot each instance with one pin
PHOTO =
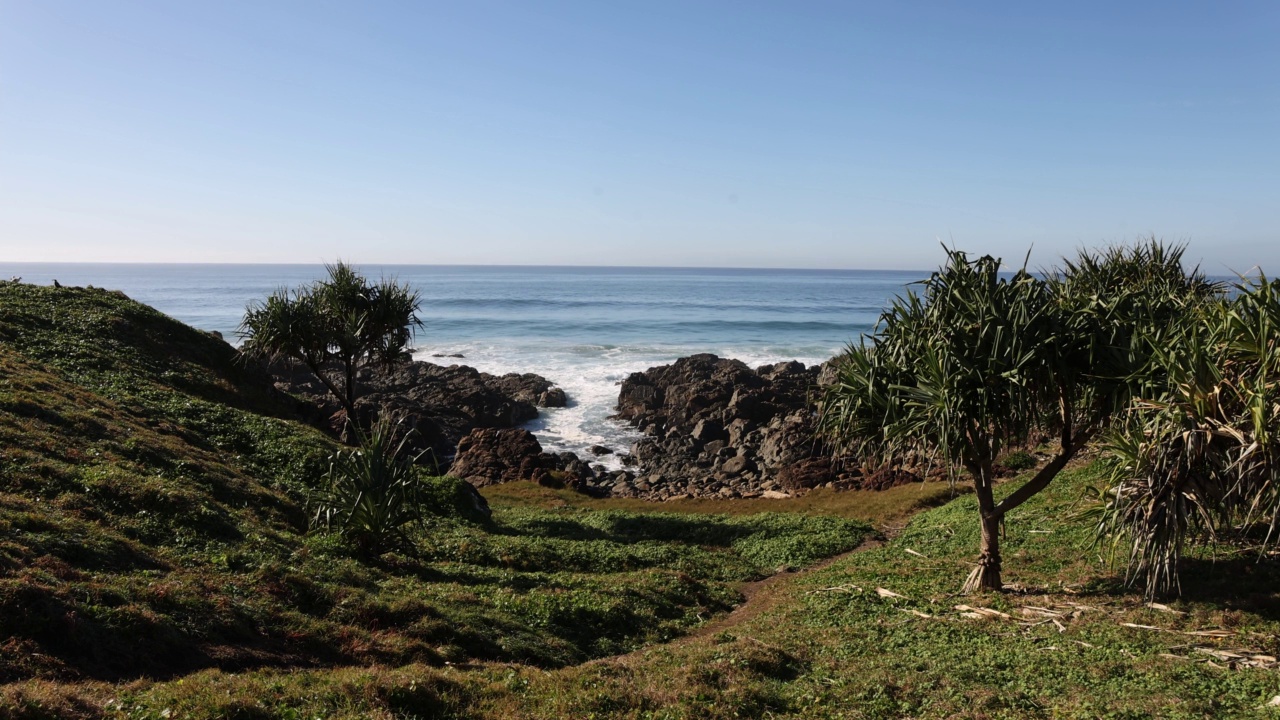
(583, 328)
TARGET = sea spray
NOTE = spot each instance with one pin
(591, 375)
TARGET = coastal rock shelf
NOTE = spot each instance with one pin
(442, 403)
(713, 427)
(488, 456)
(717, 428)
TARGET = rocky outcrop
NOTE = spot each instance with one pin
(488, 456)
(529, 388)
(716, 427)
(713, 427)
(441, 403)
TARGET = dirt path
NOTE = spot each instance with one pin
(758, 596)
(761, 595)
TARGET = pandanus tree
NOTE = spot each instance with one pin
(334, 326)
(980, 360)
(373, 495)
(1199, 452)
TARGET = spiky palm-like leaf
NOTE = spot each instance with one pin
(373, 494)
(979, 360)
(1200, 454)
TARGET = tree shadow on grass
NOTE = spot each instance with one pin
(1242, 581)
(691, 530)
(683, 528)
(562, 529)
(90, 647)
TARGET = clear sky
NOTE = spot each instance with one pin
(787, 134)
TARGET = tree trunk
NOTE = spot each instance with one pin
(343, 399)
(986, 576)
(349, 375)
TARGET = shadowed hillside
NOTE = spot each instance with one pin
(152, 503)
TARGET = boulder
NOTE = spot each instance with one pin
(718, 427)
(487, 456)
(530, 388)
(708, 430)
(806, 475)
(552, 398)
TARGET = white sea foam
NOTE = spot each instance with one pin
(585, 329)
(591, 376)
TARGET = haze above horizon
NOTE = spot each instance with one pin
(739, 135)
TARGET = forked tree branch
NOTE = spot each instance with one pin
(1047, 473)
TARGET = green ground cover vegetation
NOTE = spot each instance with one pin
(152, 501)
(879, 633)
(156, 561)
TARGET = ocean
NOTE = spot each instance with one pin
(584, 328)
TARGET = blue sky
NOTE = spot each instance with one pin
(745, 134)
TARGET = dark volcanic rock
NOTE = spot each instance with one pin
(716, 427)
(806, 475)
(488, 456)
(442, 403)
(530, 388)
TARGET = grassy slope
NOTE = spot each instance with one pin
(831, 646)
(151, 524)
(834, 647)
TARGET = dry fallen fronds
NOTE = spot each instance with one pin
(1164, 608)
(909, 551)
(1043, 612)
(1021, 589)
(1210, 633)
(1241, 658)
(1143, 627)
(917, 613)
(884, 593)
(964, 609)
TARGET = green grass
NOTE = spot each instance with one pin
(152, 526)
(832, 646)
(828, 645)
(154, 563)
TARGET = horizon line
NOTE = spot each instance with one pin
(460, 265)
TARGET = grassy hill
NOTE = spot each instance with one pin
(154, 563)
(152, 523)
